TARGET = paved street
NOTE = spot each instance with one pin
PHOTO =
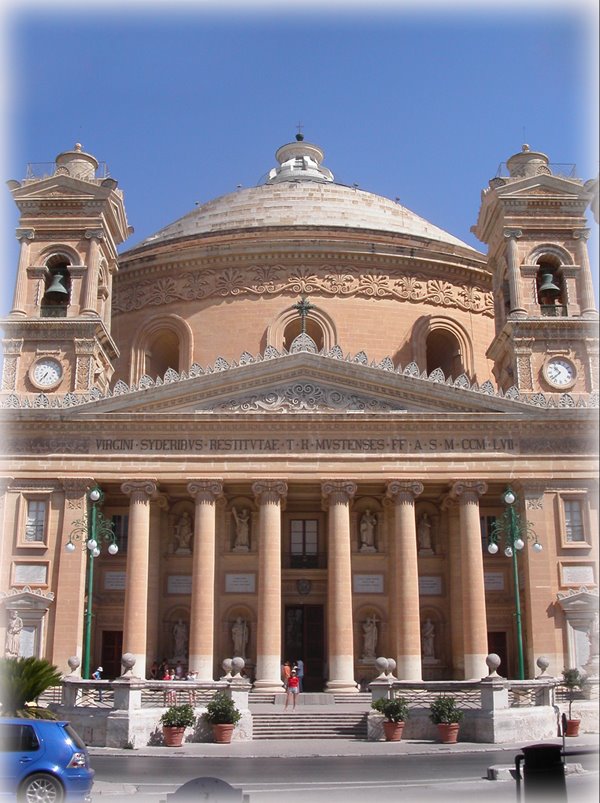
(334, 770)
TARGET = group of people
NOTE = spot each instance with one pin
(292, 676)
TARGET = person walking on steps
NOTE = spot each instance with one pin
(293, 686)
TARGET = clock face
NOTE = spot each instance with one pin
(46, 372)
(559, 372)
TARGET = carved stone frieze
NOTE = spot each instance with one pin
(274, 280)
(302, 396)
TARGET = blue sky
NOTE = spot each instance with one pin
(185, 102)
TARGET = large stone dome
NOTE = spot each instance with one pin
(301, 192)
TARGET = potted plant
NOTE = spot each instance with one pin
(572, 679)
(174, 721)
(395, 712)
(447, 716)
(222, 714)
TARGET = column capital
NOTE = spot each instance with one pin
(94, 234)
(581, 234)
(205, 490)
(403, 490)
(25, 234)
(269, 491)
(512, 234)
(140, 488)
(338, 490)
(468, 491)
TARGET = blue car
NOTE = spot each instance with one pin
(44, 761)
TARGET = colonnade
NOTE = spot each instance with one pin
(270, 495)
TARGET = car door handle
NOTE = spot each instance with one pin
(24, 760)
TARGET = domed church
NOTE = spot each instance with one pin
(301, 422)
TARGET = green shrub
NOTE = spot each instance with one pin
(221, 710)
(22, 680)
(444, 711)
(395, 710)
(572, 679)
(178, 716)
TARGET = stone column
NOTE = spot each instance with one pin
(19, 307)
(588, 303)
(340, 632)
(202, 614)
(405, 616)
(135, 617)
(90, 300)
(269, 495)
(473, 589)
(514, 273)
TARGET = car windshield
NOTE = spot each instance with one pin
(75, 737)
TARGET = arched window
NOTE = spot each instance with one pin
(161, 353)
(288, 325)
(57, 288)
(442, 350)
(159, 345)
(550, 286)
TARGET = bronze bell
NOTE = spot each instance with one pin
(547, 287)
(57, 288)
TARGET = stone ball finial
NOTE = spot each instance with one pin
(543, 663)
(227, 664)
(78, 146)
(525, 147)
(237, 664)
(382, 665)
(391, 666)
(127, 662)
(73, 662)
(493, 661)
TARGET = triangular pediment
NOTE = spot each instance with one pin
(541, 185)
(299, 383)
(59, 186)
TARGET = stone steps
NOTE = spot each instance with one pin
(309, 724)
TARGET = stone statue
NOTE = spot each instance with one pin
(12, 644)
(368, 523)
(370, 637)
(424, 534)
(242, 529)
(239, 635)
(428, 639)
(183, 534)
(180, 635)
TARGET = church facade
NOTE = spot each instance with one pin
(284, 427)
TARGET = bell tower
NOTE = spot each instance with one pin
(57, 336)
(533, 221)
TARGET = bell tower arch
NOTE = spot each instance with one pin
(57, 336)
(533, 218)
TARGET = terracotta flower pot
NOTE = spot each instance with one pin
(222, 733)
(393, 730)
(448, 732)
(573, 727)
(173, 737)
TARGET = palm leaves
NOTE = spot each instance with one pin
(22, 680)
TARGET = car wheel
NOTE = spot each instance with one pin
(41, 788)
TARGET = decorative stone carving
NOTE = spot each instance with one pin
(303, 396)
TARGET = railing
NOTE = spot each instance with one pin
(40, 170)
(564, 169)
(316, 561)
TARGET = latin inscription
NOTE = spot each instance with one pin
(299, 445)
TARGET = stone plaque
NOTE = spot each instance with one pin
(114, 581)
(430, 586)
(179, 584)
(27, 645)
(240, 583)
(577, 575)
(368, 583)
(31, 574)
(493, 581)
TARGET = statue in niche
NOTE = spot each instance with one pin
(242, 530)
(239, 636)
(424, 528)
(428, 639)
(183, 534)
(368, 525)
(370, 636)
(12, 644)
(180, 637)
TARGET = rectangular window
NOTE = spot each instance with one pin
(35, 524)
(121, 531)
(573, 520)
(304, 543)
(486, 523)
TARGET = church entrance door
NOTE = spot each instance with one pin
(304, 638)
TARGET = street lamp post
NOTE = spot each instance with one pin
(515, 533)
(91, 531)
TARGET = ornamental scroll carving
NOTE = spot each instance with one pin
(303, 396)
(273, 280)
